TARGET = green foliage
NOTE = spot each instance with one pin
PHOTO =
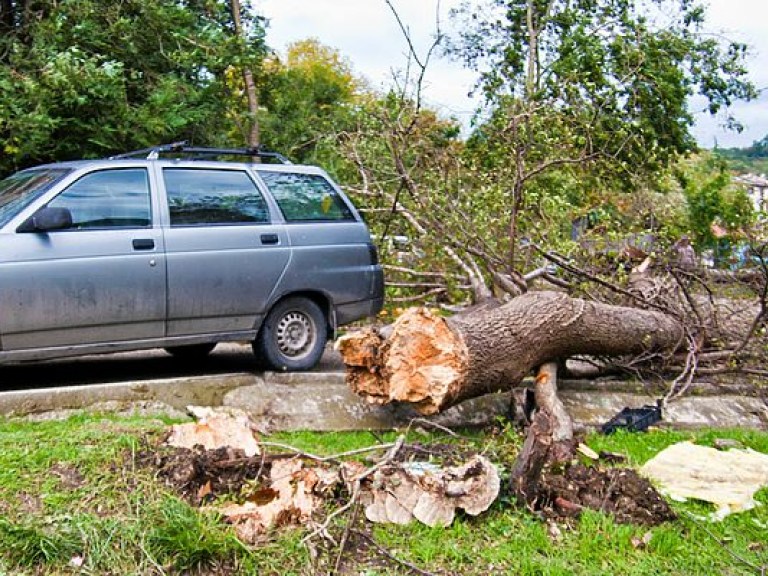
(752, 159)
(758, 150)
(711, 200)
(587, 108)
(390, 130)
(615, 81)
(588, 100)
(69, 90)
(309, 100)
(587, 116)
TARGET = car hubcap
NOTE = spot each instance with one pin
(295, 334)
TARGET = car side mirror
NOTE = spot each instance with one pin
(46, 219)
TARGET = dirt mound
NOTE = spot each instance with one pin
(199, 475)
(621, 492)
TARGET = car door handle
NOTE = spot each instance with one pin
(269, 239)
(143, 244)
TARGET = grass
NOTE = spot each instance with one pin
(72, 501)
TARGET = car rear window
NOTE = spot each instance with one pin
(306, 197)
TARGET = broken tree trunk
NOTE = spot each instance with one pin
(549, 439)
(434, 362)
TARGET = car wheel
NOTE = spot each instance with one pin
(293, 336)
(191, 351)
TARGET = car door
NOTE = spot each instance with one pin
(101, 280)
(225, 255)
(331, 248)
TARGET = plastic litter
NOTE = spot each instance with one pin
(633, 419)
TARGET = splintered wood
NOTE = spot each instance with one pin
(215, 428)
(423, 362)
(430, 494)
(294, 494)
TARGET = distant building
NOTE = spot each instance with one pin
(757, 189)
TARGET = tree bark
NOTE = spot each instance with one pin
(549, 439)
(434, 362)
(6, 16)
(254, 134)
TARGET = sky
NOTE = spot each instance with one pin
(367, 34)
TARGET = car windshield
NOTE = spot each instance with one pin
(20, 189)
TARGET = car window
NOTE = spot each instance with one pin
(21, 189)
(108, 199)
(306, 197)
(198, 196)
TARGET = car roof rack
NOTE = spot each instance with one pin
(182, 147)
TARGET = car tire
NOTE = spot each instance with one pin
(292, 337)
(191, 351)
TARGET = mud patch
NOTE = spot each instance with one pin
(620, 492)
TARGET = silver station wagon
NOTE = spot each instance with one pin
(170, 247)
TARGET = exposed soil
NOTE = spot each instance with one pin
(200, 475)
(69, 476)
(621, 492)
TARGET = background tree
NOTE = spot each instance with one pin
(753, 158)
(586, 114)
(310, 100)
(718, 213)
(247, 37)
(86, 78)
(596, 90)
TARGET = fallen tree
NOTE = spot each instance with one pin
(434, 362)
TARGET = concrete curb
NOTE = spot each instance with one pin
(322, 401)
(175, 392)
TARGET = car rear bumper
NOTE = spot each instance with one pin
(346, 313)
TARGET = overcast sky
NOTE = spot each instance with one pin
(365, 32)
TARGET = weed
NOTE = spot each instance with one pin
(32, 543)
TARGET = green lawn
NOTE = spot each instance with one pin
(74, 501)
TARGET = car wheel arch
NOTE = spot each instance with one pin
(322, 299)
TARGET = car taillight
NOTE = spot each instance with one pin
(373, 253)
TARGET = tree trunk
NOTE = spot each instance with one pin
(6, 16)
(549, 439)
(434, 362)
(254, 135)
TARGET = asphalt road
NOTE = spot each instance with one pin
(134, 366)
